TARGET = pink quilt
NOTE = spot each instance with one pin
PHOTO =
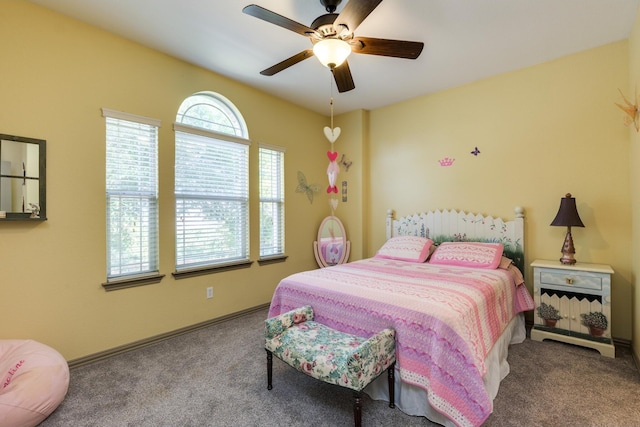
(446, 320)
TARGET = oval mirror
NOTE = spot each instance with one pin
(332, 246)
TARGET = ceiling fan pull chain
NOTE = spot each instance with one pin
(331, 112)
(331, 99)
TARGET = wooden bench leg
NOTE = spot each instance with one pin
(269, 369)
(357, 408)
(392, 382)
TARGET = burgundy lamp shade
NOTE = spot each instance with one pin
(568, 213)
(567, 216)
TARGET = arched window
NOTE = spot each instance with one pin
(211, 183)
(214, 112)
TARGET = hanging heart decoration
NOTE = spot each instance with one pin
(331, 134)
(334, 204)
(332, 171)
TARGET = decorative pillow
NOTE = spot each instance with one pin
(505, 262)
(432, 249)
(406, 248)
(468, 254)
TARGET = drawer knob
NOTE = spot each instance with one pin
(569, 280)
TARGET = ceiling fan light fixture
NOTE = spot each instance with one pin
(331, 52)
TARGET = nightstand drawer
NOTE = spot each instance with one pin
(573, 279)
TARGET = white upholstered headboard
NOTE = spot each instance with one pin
(452, 226)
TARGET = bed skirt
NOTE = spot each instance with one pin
(412, 400)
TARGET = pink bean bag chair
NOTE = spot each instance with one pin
(34, 380)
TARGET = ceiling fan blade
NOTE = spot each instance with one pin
(386, 47)
(279, 20)
(343, 78)
(354, 12)
(287, 63)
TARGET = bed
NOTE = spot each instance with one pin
(455, 315)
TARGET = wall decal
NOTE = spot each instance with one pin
(633, 115)
(446, 161)
(475, 152)
(344, 191)
(344, 161)
(303, 187)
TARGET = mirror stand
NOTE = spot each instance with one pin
(332, 247)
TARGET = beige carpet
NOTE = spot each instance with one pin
(216, 376)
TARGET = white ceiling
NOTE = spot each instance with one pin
(465, 40)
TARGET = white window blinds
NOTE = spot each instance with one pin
(132, 194)
(271, 160)
(212, 198)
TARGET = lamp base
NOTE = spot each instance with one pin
(568, 249)
(568, 259)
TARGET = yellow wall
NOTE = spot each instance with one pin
(542, 131)
(57, 74)
(632, 87)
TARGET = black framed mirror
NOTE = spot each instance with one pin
(332, 246)
(23, 185)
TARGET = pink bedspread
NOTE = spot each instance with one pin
(446, 320)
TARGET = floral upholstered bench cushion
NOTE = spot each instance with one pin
(326, 354)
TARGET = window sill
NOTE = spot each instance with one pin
(210, 269)
(132, 282)
(272, 259)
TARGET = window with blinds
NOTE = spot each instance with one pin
(131, 195)
(271, 161)
(211, 183)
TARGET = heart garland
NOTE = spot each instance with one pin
(332, 171)
(331, 134)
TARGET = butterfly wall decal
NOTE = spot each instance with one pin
(475, 152)
(345, 162)
(303, 187)
(632, 111)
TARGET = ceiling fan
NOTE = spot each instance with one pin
(333, 33)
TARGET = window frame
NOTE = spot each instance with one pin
(208, 191)
(277, 198)
(150, 216)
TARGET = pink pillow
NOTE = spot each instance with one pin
(406, 248)
(468, 254)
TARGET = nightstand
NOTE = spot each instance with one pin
(573, 290)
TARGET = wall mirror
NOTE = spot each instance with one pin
(22, 178)
(332, 246)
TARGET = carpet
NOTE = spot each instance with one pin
(216, 376)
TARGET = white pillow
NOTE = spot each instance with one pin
(406, 248)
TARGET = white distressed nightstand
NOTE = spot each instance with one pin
(573, 290)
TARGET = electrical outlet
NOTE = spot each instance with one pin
(210, 292)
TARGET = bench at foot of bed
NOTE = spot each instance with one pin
(328, 355)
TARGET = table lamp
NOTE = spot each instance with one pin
(568, 217)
